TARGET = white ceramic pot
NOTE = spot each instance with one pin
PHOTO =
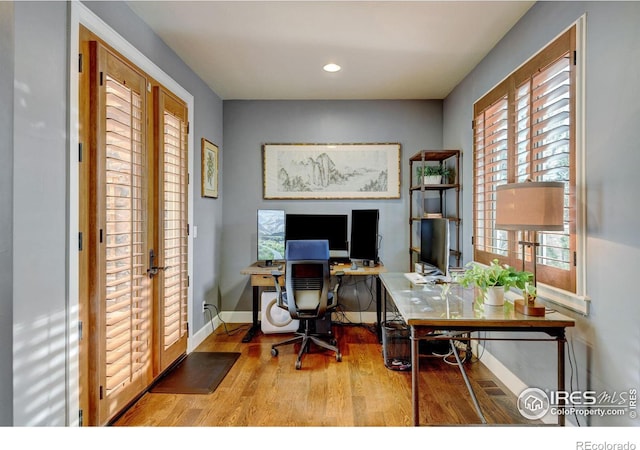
(494, 296)
(432, 179)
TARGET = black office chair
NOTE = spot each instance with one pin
(307, 296)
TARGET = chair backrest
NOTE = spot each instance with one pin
(307, 278)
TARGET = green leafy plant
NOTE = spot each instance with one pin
(495, 274)
(430, 170)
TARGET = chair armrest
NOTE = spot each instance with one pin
(339, 274)
(276, 274)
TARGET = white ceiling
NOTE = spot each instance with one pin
(276, 49)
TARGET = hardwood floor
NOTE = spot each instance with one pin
(262, 390)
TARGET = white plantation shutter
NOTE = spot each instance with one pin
(490, 170)
(175, 228)
(121, 291)
(524, 129)
(126, 281)
(172, 206)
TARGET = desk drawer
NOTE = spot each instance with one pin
(264, 280)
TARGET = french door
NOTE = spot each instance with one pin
(171, 204)
(134, 180)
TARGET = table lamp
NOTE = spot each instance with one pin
(531, 206)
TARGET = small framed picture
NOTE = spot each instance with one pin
(210, 168)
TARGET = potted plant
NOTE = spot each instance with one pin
(433, 174)
(493, 280)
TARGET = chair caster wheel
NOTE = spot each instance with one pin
(339, 357)
(298, 365)
(274, 352)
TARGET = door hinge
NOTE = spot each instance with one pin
(80, 152)
(80, 418)
(575, 259)
(80, 241)
(188, 281)
(575, 58)
(101, 393)
(80, 330)
(187, 329)
(188, 230)
(101, 235)
(473, 240)
(188, 127)
(101, 78)
(80, 62)
(473, 124)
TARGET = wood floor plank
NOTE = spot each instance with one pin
(262, 390)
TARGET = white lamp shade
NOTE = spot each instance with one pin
(535, 206)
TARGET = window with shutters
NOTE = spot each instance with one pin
(525, 129)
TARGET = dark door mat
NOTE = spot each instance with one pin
(198, 373)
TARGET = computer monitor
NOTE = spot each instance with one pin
(434, 245)
(332, 227)
(271, 228)
(364, 234)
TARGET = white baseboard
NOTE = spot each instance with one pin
(199, 336)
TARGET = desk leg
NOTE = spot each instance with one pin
(255, 325)
(561, 401)
(415, 369)
(379, 308)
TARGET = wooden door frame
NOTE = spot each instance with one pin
(76, 322)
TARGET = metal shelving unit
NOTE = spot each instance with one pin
(443, 198)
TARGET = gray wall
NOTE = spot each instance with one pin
(40, 213)
(604, 346)
(40, 193)
(6, 217)
(415, 125)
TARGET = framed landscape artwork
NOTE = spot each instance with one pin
(331, 171)
(210, 167)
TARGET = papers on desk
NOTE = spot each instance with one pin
(417, 278)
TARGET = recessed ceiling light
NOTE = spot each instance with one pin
(331, 67)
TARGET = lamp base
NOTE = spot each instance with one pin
(529, 309)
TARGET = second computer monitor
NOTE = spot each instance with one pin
(434, 245)
(364, 235)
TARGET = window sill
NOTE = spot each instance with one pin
(574, 302)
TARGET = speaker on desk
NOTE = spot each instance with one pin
(364, 235)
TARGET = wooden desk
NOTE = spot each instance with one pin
(261, 277)
(425, 312)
